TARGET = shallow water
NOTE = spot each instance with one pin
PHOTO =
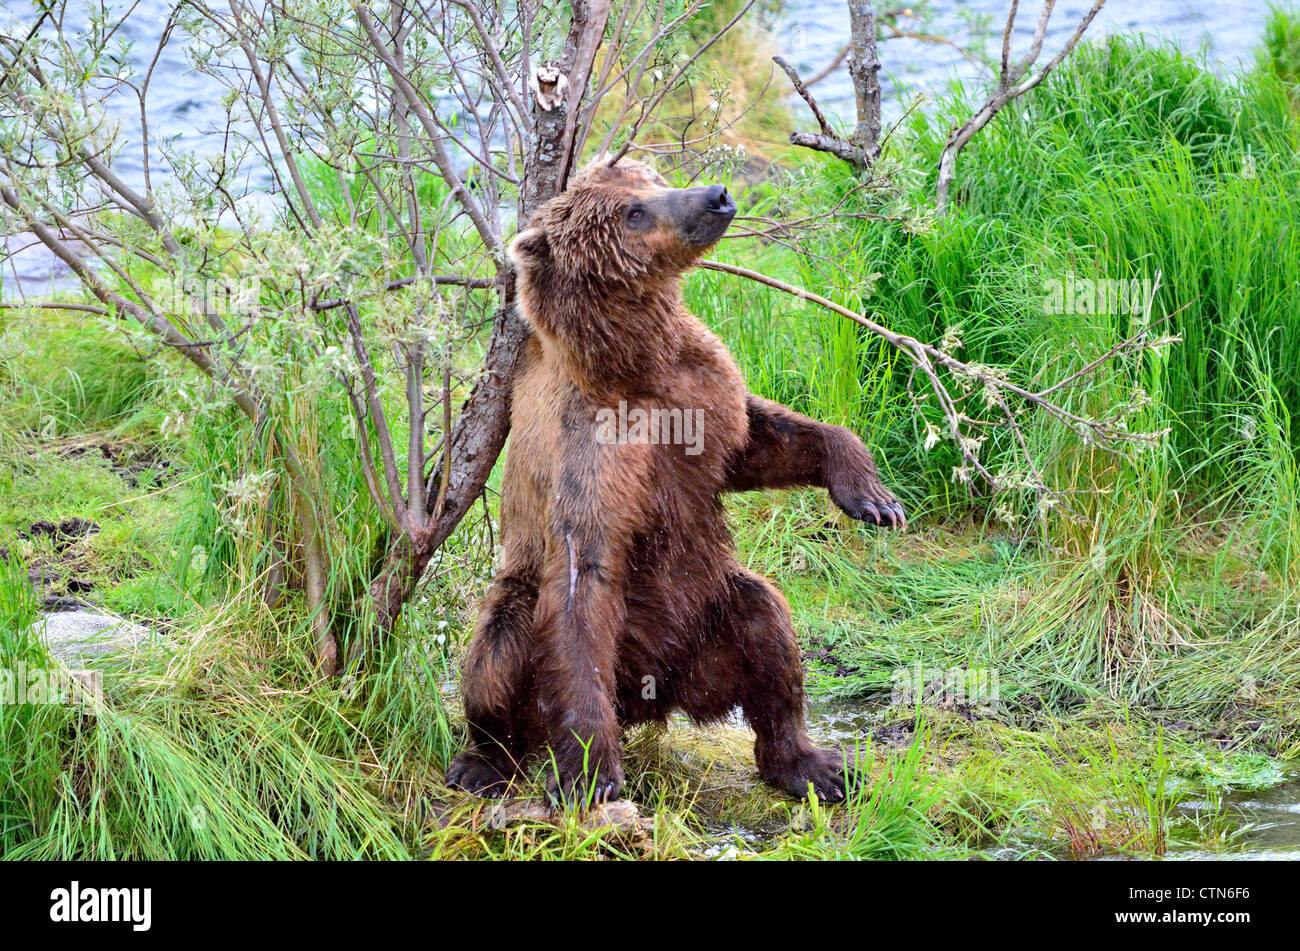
(1263, 824)
(1268, 824)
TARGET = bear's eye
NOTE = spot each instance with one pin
(635, 214)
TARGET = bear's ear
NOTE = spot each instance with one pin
(530, 248)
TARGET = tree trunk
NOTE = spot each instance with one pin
(476, 441)
(864, 68)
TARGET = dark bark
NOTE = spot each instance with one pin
(586, 32)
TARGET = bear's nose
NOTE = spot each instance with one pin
(717, 200)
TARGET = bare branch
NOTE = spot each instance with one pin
(996, 387)
(1008, 88)
(648, 108)
(861, 149)
(803, 92)
(434, 132)
(864, 67)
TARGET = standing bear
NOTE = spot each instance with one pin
(619, 598)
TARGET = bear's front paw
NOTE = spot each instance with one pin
(481, 774)
(825, 770)
(867, 500)
(579, 788)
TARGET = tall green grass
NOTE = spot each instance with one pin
(1279, 52)
(66, 373)
(218, 747)
(1132, 161)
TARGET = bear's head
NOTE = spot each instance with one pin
(618, 228)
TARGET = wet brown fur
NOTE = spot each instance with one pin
(618, 565)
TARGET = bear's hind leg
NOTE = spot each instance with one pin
(752, 659)
(494, 684)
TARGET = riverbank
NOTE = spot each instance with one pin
(1123, 681)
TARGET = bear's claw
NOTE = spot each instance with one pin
(875, 506)
(825, 770)
(577, 789)
(479, 774)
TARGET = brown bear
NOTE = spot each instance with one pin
(619, 598)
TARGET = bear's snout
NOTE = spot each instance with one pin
(701, 215)
(718, 201)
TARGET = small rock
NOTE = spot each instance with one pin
(622, 817)
(76, 636)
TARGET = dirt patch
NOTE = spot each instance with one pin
(66, 534)
(895, 734)
(57, 570)
(826, 655)
(135, 464)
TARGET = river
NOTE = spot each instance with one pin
(809, 33)
(186, 107)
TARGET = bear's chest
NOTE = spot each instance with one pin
(692, 418)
